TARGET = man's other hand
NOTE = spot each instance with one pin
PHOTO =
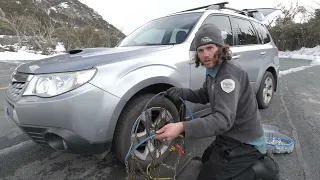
(170, 131)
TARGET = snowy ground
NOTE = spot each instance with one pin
(303, 53)
(24, 54)
(312, 54)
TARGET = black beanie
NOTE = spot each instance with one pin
(208, 34)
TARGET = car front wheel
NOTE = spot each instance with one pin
(159, 112)
(266, 90)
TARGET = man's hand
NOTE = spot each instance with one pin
(173, 93)
(170, 131)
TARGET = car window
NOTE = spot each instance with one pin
(167, 30)
(178, 35)
(263, 34)
(223, 23)
(244, 31)
(151, 36)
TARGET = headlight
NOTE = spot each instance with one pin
(48, 85)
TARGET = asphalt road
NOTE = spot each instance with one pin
(294, 110)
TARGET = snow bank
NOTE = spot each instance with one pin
(23, 54)
(303, 53)
(312, 54)
(292, 70)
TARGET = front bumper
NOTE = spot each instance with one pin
(84, 119)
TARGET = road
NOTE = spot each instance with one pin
(295, 110)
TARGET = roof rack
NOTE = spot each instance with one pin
(222, 5)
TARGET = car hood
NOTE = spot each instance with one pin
(85, 59)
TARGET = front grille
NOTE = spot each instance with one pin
(37, 134)
(17, 85)
(15, 89)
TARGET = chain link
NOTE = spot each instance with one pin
(153, 172)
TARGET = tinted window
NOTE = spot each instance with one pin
(263, 34)
(245, 32)
(223, 23)
(163, 31)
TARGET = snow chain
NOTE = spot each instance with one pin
(153, 172)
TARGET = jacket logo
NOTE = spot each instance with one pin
(205, 40)
(228, 85)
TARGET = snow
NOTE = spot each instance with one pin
(24, 54)
(64, 5)
(60, 48)
(21, 55)
(312, 54)
(303, 53)
(292, 70)
(54, 9)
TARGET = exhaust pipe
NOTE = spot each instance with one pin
(56, 142)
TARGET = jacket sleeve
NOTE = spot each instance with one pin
(196, 96)
(226, 94)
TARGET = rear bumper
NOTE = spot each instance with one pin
(83, 119)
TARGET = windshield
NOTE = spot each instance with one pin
(164, 31)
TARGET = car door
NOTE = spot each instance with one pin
(247, 51)
(268, 49)
(198, 74)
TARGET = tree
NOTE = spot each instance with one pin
(290, 34)
(15, 24)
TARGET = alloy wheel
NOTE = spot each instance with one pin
(153, 119)
(268, 90)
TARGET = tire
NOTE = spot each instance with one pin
(266, 90)
(127, 120)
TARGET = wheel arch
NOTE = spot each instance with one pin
(274, 73)
(144, 87)
(272, 70)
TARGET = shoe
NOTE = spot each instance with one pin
(266, 169)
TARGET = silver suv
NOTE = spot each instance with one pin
(88, 100)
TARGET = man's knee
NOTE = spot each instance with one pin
(247, 174)
(266, 169)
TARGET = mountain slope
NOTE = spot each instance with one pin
(68, 21)
(58, 10)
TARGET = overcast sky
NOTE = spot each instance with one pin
(123, 15)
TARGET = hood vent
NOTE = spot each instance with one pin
(76, 51)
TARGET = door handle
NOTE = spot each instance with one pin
(236, 57)
(263, 53)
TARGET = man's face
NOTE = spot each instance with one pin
(206, 53)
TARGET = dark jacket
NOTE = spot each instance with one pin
(235, 112)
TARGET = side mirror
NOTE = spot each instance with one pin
(192, 52)
(192, 48)
(192, 57)
(192, 61)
